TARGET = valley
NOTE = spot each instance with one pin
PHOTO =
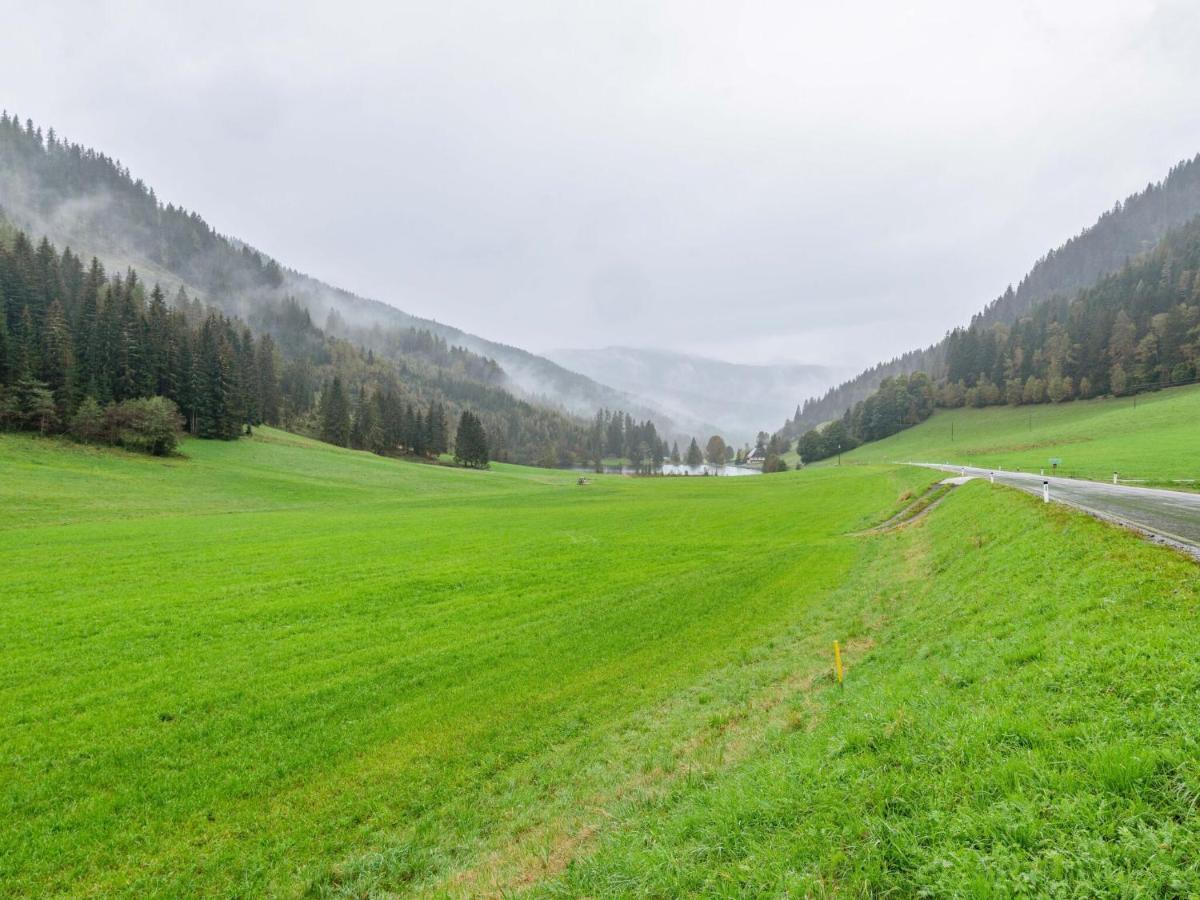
(362, 373)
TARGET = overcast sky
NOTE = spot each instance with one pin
(808, 182)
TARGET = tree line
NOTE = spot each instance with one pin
(101, 358)
(616, 434)
(900, 403)
(73, 337)
(80, 349)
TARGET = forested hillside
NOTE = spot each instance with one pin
(1128, 230)
(88, 201)
(82, 351)
(1135, 330)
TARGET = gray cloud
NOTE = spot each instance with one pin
(776, 181)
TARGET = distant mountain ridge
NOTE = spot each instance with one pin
(1128, 230)
(703, 395)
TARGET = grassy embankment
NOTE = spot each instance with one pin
(277, 668)
(1153, 439)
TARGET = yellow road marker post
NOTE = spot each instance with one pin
(837, 663)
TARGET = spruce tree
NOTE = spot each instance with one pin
(30, 405)
(364, 430)
(57, 357)
(5, 352)
(215, 414)
(268, 381)
(158, 346)
(335, 414)
(439, 440)
(470, 442)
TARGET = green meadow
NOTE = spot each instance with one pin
(1152, 439)
(272, 667)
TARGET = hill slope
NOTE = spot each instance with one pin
(1129, 229)
(1150, 438)
(83, 199)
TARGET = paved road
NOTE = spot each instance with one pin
(1173, 515)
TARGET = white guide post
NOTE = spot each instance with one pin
(1045, 492)
(1114, 477)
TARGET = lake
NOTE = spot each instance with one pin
(672, 469)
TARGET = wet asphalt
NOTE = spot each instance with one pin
(1173, 515)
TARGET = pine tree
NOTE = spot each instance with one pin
(268, 381)
(438, 437)
(5, 351)
(128, 373)
(158, 346)
(215, 415)
(364, 432)
(57, 356)
(245, 377)
(390, 417)
(694, 457)
(470, 442)
(89, 357)
(408, 429)
(25, 358)
(30, 405)
(335, 414)
(419, 434)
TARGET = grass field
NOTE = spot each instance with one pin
(255, 669)
(1153, 439)
(278, 668)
